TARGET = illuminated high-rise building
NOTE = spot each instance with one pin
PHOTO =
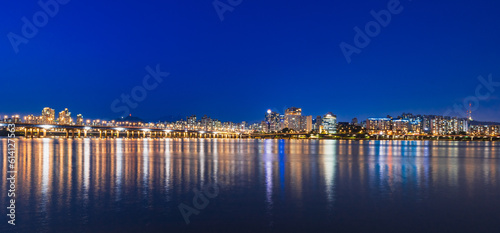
(376, 125)
(293, 116)
(307, 123)
(293, 111)
(79, 119)
(206, 123)
(273, 121)
(400, 126)
(65, 117)
(329, 123)
(294, 120)
(48, 115)
(317, 125)
(191, 122)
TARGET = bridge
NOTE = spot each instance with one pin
(374, 136)
(79, 131)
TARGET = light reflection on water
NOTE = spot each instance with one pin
(127, 185)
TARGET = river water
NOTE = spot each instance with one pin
(247, 185)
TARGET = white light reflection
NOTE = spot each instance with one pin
(168, 155)
(86, 169)
(329, 163)
(381, 155)
(216, 161)
(452, 151)
(119, 167)
(45, 172)
(145, 166)
(202, 162)
(268, 158)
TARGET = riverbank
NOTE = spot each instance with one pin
(4, 134)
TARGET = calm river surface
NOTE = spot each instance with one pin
(231, 185)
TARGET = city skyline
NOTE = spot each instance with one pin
(291, 121)
(341, 118)
(266, 112)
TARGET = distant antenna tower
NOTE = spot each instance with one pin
(469, 112)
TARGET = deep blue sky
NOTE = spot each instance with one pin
(265, 54)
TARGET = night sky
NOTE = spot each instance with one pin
(264, 54)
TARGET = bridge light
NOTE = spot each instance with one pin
(120, 129)
(87, 128)
(46, 126)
